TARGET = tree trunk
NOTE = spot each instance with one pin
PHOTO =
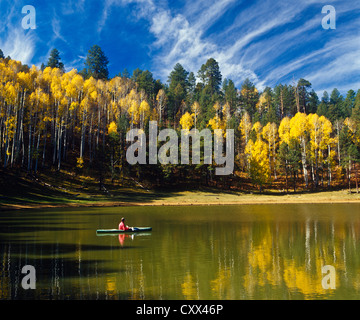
(59, 143)
(356, 178)
(303, 160)
(349, 176)
(329, 167)
(37, 152)
(90, 139)
(14, 137)
(316, 169)
(44, 149)
(82, 143)
(29, 145)
(286, 176)
(297, 97)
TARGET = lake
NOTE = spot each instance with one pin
(193, 252)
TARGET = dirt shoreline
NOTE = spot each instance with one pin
(11, 207)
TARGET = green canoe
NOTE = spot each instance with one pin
(136, 229)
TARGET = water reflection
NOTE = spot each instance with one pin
(248, 252)
(122, 238)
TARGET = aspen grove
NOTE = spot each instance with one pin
(285, 137)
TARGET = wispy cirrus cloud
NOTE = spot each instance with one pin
(267, 41)
(186, 42)
(19, 45)
(15, 42)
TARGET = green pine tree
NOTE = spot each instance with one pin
(96, 64)
(54, 60)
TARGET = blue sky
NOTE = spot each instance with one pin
(267, 41)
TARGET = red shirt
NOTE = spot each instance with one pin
(122, 226)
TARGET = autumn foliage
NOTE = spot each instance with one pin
(53, 119)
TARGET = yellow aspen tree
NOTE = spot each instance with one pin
(88, 115)
(257, 157)
(299, 131)
(187, 121)
(43, 122)
(270, 135)
(112, 128)
(320, 130)
(217, 108)
(330, 159)
(154, 115)
(226, 114)
(25, 83)
(217, 123)
(350, 123)
(161, 103)
(257, 128)
(11, 94)
(195, 108)
(264, 103)
(284, 130)
(245, 128)
(134, 113)
(144, 113)
(10, 98)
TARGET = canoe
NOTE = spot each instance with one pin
(136, 229)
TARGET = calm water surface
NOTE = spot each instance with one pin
(214, 252)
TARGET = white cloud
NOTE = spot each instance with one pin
(184, 41)
(144, 8)
(15, 42)
(19, 45)
(56, 28)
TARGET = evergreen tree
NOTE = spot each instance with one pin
(249, 97)
(125, 74)
(178, 76)
(210, 75)
(313, 102)
(54, 60)
(357, 99)
(325, 98)
(335, 106)
(284, 100)
(322, 109)
(302, 95)
(230, 94)
(96, 64)
(145, 82)
(178, 86)
(349, 103)
(2, 55)
(349, 152)
(191, 88)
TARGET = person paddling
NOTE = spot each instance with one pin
(122, 225)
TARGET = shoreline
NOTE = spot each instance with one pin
(65, 190)
(108, 204)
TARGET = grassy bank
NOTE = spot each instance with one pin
(63, 189)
